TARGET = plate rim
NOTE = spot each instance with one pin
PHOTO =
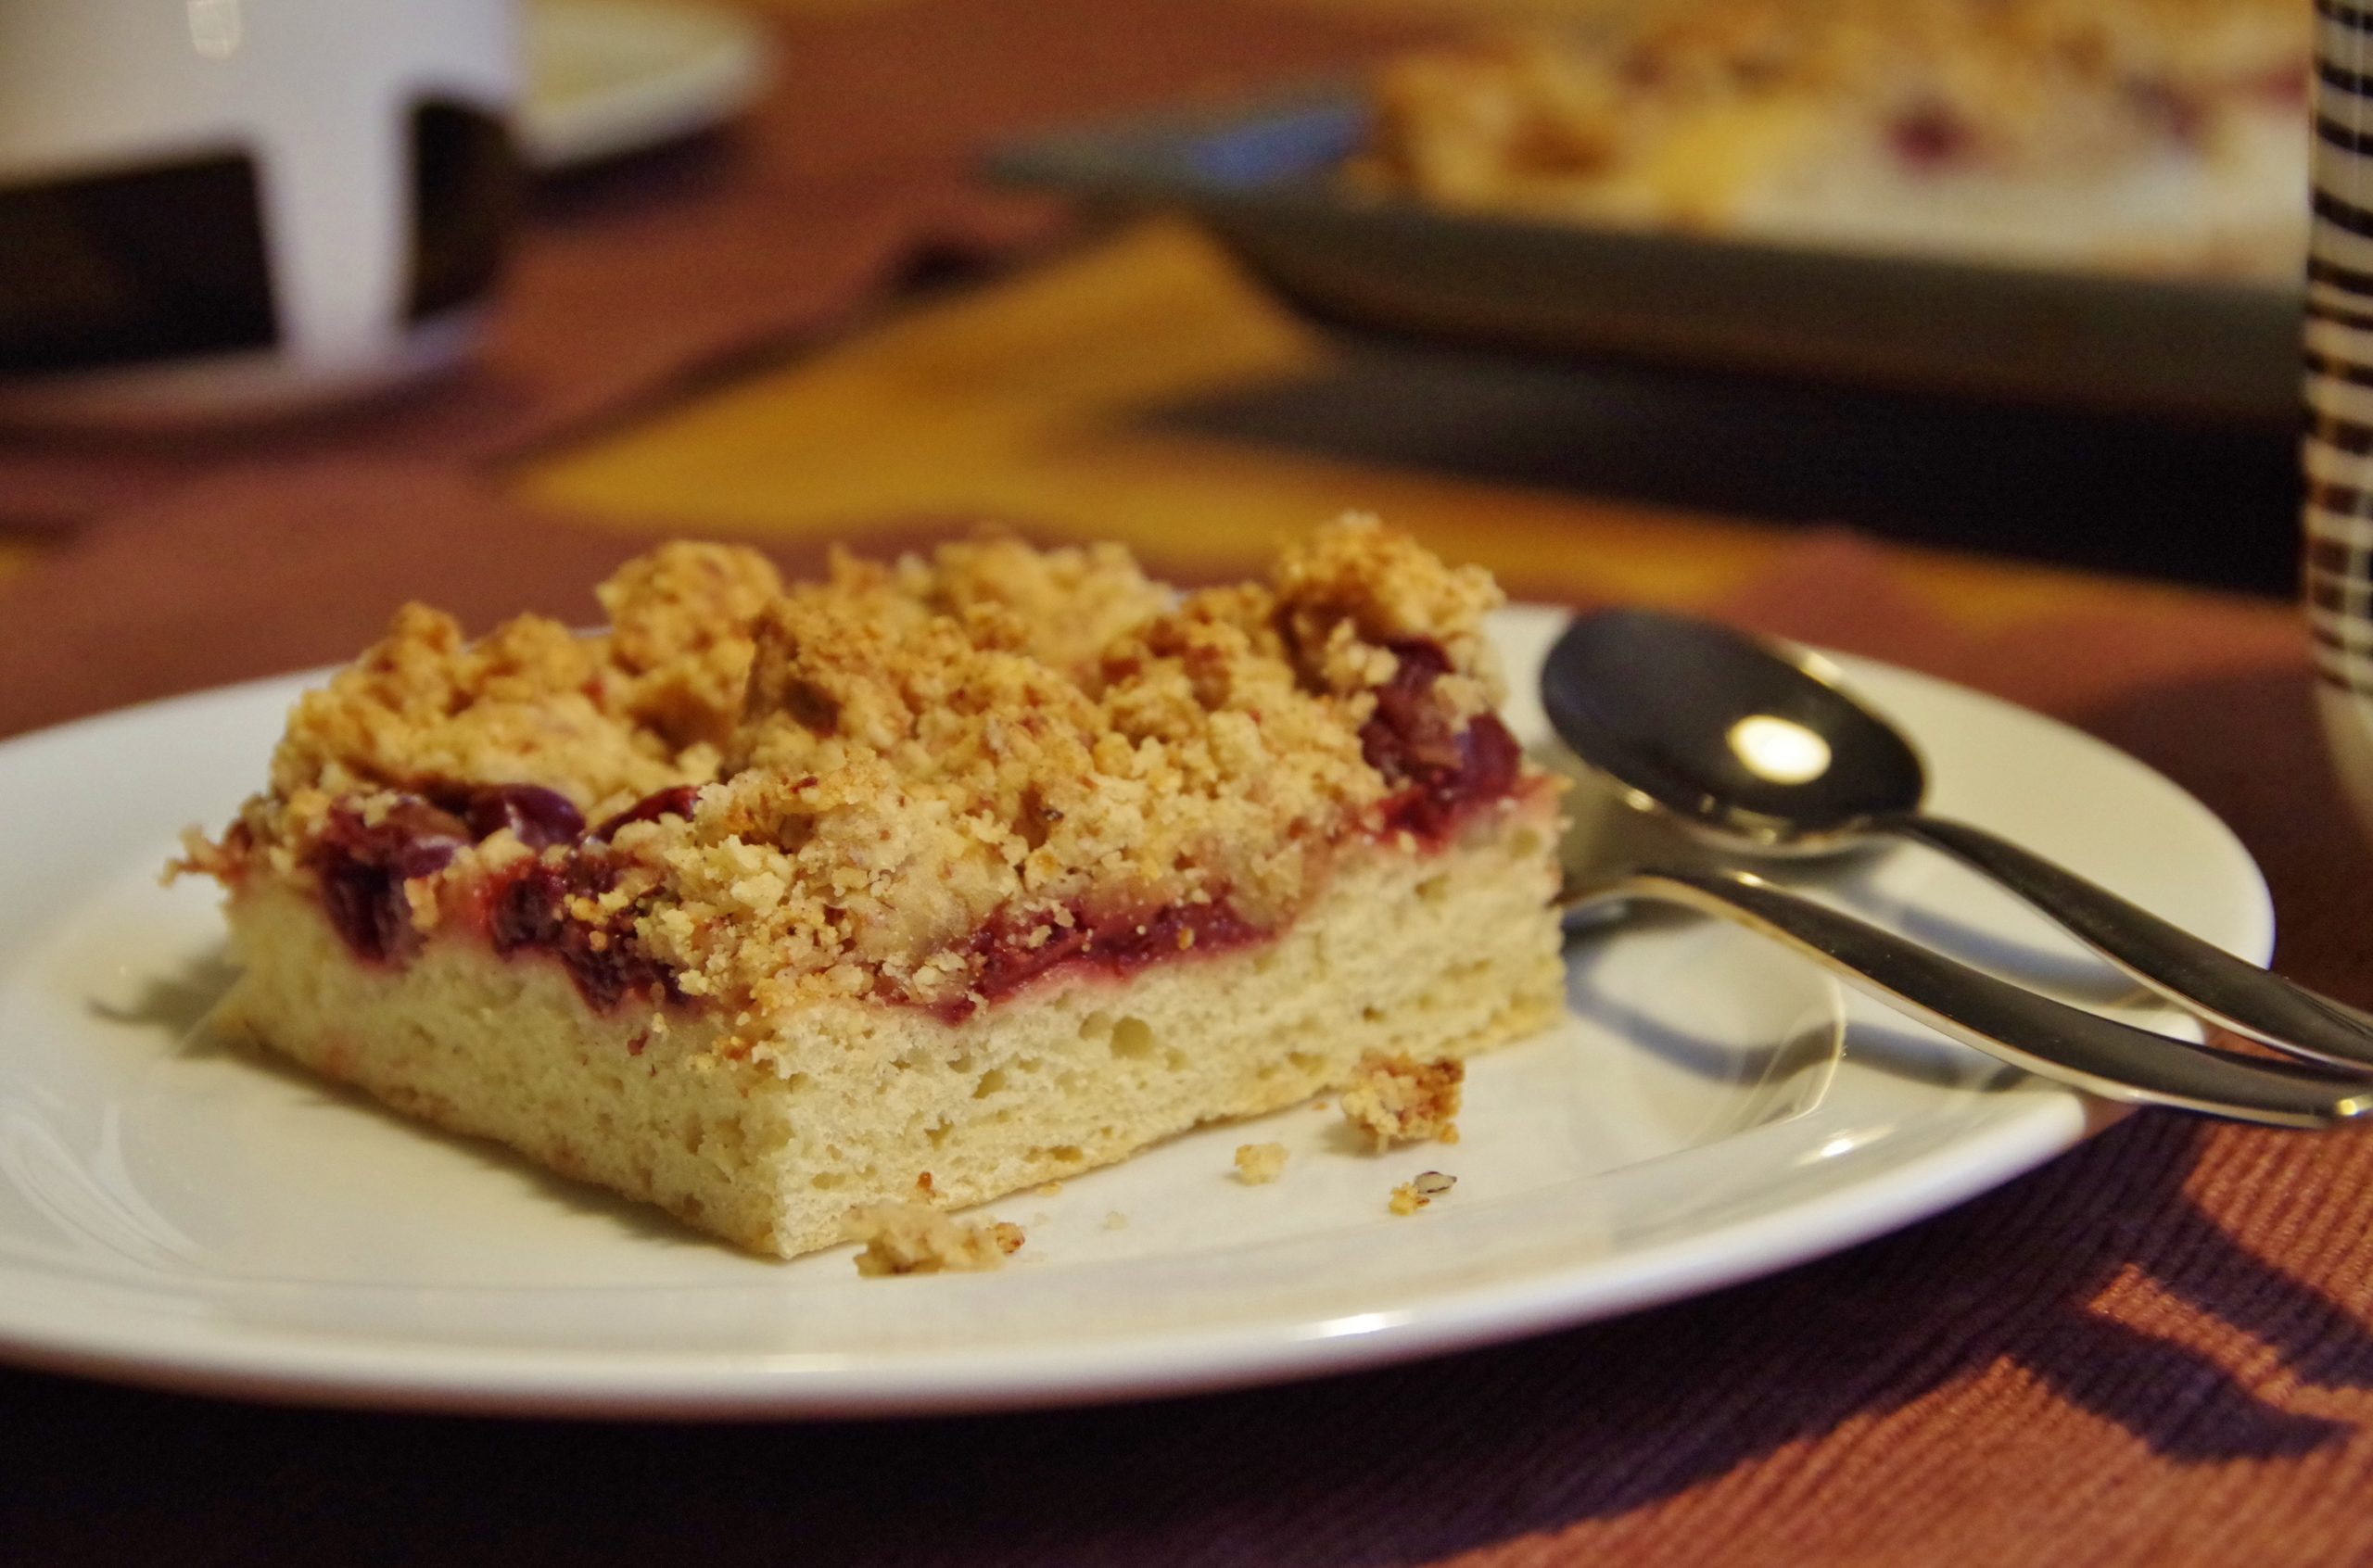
(2026, 1126)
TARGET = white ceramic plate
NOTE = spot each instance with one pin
(175, 1213)
(609, 77)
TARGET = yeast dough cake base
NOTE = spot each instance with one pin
(1434, 954)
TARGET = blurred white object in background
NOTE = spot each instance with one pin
(215, 208)
(610, 76)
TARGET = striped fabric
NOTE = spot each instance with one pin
(2339, 451)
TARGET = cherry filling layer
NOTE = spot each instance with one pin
(1439, 775)
(363, 867)
(1930, 136)
(534, 911)
(1010, 953)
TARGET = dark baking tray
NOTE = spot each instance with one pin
(1260, 176)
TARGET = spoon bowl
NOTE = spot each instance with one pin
(1752, 743)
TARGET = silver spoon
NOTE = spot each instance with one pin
(1755, 746)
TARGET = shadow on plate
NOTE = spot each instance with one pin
(180, 1005)
(1723, 1087)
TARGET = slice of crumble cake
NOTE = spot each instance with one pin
(929, 882)
(2157, 137)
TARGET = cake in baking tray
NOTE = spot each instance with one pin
(923, 884)
(2147, 136)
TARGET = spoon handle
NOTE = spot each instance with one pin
(2048, 1038)
(2197, 976)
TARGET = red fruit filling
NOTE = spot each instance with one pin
(539, 817)
(1441, 774)
(1118, 943)
(2284, 85)
(532, 911)
(363, 867)
(1930, 136)
(2182, 116)
(676, 802)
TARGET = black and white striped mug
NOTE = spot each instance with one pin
(2338, 452)
(214, 206)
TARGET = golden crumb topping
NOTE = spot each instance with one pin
(912, 1238)
(604, 720)
(920, 780)
(678, 649)
(1396, 1100)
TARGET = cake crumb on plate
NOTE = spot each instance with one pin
(1259, 1164)
(1396, 1100)
(908, 1238)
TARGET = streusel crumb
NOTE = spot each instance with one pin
(911, 1238)
(1396, 1100)
(1259, 1164)
(901, 781)
(604, 720)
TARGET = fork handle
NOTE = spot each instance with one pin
(2197, 976)
(2047, 1038)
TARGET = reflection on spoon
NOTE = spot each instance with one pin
(1779, 749)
